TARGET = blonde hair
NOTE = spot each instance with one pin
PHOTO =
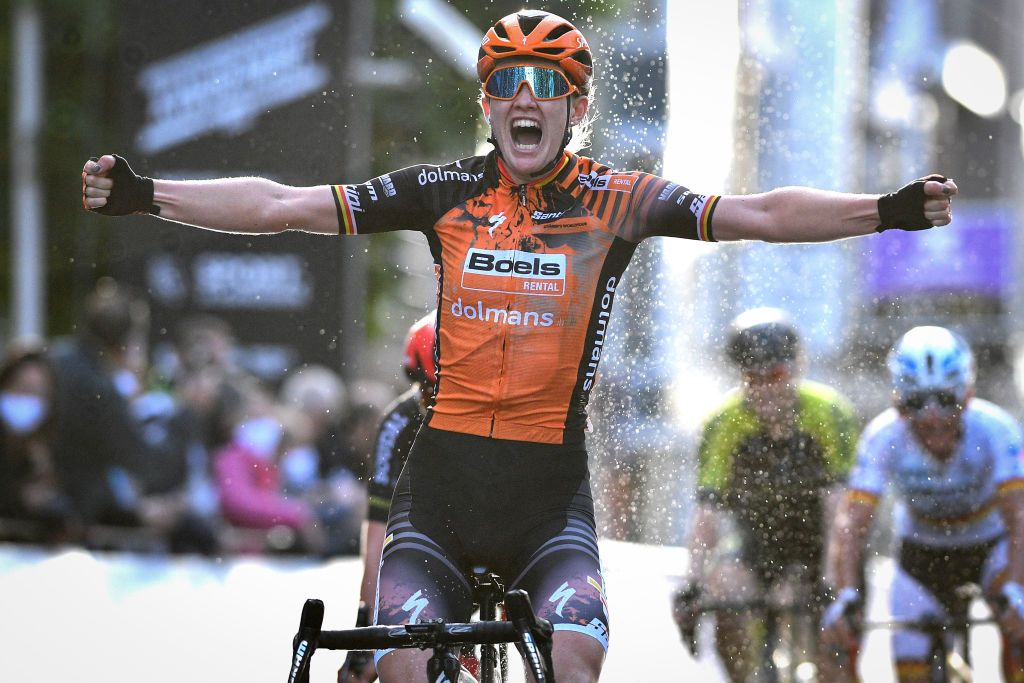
(583, 132)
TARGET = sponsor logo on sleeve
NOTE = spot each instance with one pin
(352, 195)
(609, 181)
(515, 272)
(372, 191)
(389, 186)
(439, 174)
(697, 207)
(667, 192)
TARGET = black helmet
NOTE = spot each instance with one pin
(762, 336)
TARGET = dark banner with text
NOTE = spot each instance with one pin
(252, 88)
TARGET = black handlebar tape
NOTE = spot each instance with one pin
(381, 637)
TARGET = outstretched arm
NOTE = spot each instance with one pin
(242, 205)
(803, 214)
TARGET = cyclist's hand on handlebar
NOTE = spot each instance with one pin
(1011, 617)
(358, 668)
(841, 620)
(685, 614)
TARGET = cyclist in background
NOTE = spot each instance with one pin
(953, 462)
(771, 459)
(530, 242)
(402, 419)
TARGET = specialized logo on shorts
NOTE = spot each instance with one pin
(414, 605)
(610, 181)
(516, 272)
(561, 596)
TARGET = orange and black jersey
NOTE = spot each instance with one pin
(526, 279)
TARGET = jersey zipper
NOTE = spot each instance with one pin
(504, 337)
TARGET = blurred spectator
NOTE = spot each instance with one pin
(97, 447)
(205, 341)
(248, 478)
(179, 498)
(29, 492)
(201, 367)
(314, 401)
(348, 447)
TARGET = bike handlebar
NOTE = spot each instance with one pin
(426, 634)
(531, 635)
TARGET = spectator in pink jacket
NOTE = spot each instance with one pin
(249, 484)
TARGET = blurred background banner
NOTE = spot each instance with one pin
(215, 89)
(975, 259)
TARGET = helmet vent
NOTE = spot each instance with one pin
(583, 57)
(549, 50)
(528, 23)
(502, 48)
(500, 30)
(558, 32)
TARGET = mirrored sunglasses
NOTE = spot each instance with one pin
(546, 83)
(945, 400)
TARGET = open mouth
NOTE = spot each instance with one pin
(526, 134)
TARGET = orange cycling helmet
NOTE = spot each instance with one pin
(419, 350)
(541, 35)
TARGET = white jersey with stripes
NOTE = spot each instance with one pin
(942, 503)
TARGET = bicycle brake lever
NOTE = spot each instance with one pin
(305, 640)
(534, 635)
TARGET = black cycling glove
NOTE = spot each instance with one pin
(687, 617)
(904, 208)
(130, 194)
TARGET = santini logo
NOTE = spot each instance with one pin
(518, 272)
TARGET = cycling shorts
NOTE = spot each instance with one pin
(925, 583)
(943, 569)
(523, 510)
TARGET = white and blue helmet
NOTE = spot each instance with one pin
(931, 359)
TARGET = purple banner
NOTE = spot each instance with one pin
(973, 255)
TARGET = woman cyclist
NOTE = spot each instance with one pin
(953, 463)
(530, 242)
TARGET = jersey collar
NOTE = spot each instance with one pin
(567, 159)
